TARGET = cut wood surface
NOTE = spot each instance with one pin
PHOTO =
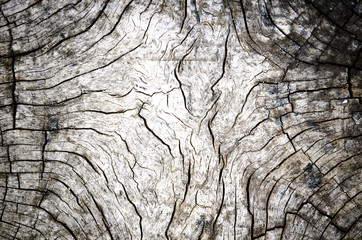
(192, 119)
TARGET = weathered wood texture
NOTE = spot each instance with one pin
(194, 119)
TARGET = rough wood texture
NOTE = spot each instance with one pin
(193, 119)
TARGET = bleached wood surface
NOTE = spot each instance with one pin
(192, 119)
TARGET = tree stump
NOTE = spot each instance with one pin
(194, 119)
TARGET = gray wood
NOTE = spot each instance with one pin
(194, 119)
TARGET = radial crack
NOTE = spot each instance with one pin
(13, 86)
(43, 153)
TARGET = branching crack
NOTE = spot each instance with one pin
(170, 222)
(69, 230)
(185, 16)
(273, 23)
(188, 182)
(181, 89)
(286, 134)
(220, 208)
(245, 22)
(83, 31)
(153, 133)
(224, 61)
(135, 208)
